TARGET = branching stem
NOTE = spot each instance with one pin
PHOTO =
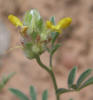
(50, 71)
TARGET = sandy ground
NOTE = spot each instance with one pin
(77, 47)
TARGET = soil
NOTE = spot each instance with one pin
(76, 50)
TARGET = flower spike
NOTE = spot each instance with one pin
(36, 34)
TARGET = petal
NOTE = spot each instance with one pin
(49, 24)
(53, 27)
(14, 20)
(65, 22)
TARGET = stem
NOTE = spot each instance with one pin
(51, 74)
(50, 63)
(55, 84)
(42, 65)
(53, 77)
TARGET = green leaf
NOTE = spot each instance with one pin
(62, 90)
(45, 95)
(55, 48)
(27, 18)
(33, 93)
(5, 79)
(40, 24)
(54, 36)
(71, 77)
(28, 45)
(83, 76)
(19, 94)
(52, 19)
(86, 83)
(70, 99)
(34, 35)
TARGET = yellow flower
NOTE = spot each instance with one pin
(62, 24)
(14, 20)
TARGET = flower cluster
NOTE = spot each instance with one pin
(35, 33)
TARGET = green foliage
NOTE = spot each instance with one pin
(71, 77)
(45, 95)
(54, 35)
(40, 24)
(5, 80)
(86, 83)
(37, 36)
(54, 48)
(62, 90)
(83, 76)
(70, 99)
(36, 33)
(80, 84)
(27, 18)
(27, 50)
(33, 94)
(19, 94)
(52, 19)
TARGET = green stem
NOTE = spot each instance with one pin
(51, 74)
(50, 60)
(42, 65)
(53, 77)
(55, 84)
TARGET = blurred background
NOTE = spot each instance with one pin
(76, 50)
